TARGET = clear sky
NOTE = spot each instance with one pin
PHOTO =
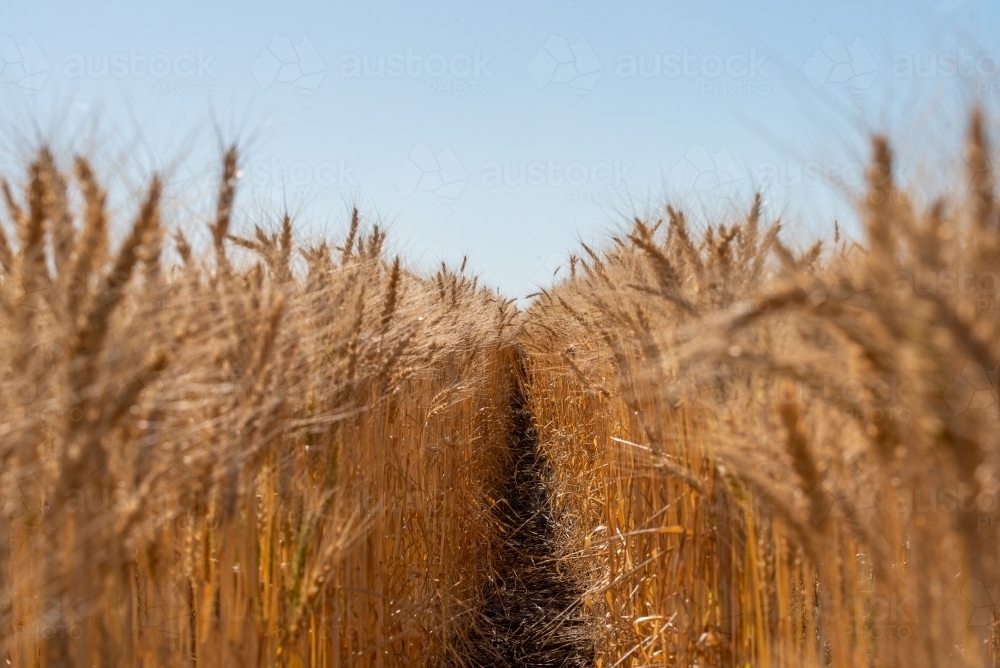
(505, 131)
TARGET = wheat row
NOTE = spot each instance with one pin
(777, 457)
(258, 451)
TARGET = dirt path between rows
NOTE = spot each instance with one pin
(531, 615)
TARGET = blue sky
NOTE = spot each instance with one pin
(505, 131)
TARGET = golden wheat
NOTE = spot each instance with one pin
(754, 454)
(220, 465)
(788, 461)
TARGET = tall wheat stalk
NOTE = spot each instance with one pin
(770, 457)
(223, 463)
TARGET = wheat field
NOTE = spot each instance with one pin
(703, 446)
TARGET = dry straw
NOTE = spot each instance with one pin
(220, 463)
(751, 454)
(765, 457)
